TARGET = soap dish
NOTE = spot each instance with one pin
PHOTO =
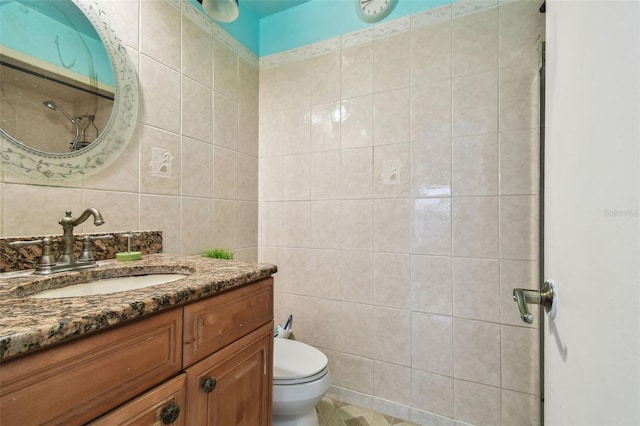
(129, 255)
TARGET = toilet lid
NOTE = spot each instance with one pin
(294, 360)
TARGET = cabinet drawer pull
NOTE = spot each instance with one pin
(209, 384)
(170, 414)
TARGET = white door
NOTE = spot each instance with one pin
(592, 221)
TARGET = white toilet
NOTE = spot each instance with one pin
(300, 380)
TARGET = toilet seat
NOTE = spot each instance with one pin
(296, 362)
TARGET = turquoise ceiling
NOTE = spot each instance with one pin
(270, 26)
(264, 8)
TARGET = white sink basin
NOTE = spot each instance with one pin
(108, 285)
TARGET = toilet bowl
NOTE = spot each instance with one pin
(300, 380)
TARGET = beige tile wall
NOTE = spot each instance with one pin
(399, 198)
(397, 183)
(193, 81)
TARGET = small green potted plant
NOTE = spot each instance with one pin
(219, 253)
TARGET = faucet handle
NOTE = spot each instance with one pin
(87, 255)
(46, 259)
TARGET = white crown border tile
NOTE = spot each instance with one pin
(325, 46)
(391, 28)
(196, 17)
(298, 54)
(431, 17)
(213, 29)
(271, 60)
(225, 38)
(247, 55)
(357, 37)
(469, 7)
(174, 3)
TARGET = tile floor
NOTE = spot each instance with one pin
(335, 413)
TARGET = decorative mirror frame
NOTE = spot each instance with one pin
(25, 161)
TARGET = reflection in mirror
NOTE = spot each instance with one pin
(68, 91)
(50, 53)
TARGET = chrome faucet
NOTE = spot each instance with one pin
(68, 240)
(67, 260)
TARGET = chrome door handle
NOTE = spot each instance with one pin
(548, 297)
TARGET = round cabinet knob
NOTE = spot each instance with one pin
(209, 384)
(170, 414)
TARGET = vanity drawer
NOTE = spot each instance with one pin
(164, 404)
(213, 323)
(77, 382)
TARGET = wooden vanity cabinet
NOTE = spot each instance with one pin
(212, 359)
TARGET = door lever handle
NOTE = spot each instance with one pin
(548, 297)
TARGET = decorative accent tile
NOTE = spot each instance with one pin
(391, 172)
(161, 161)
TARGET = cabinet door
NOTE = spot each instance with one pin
(233, 386)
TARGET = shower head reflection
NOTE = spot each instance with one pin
(76, 122)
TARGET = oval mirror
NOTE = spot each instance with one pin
(68, 91)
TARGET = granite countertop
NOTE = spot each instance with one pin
(28, 323)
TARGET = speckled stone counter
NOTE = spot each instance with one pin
(28, 323)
